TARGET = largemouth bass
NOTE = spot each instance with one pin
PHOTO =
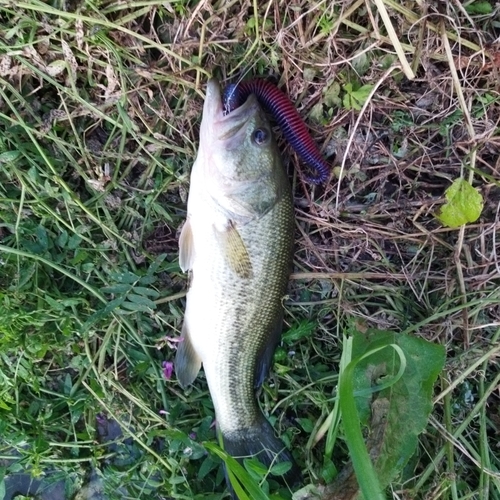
(237, 244)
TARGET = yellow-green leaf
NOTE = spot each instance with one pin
(464, 204)
(355, 98)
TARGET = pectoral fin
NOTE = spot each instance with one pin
(186, 247)
(187, 362)
(235, 251)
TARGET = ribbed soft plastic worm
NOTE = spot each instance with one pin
(293, 127)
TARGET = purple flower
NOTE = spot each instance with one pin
(168, 369)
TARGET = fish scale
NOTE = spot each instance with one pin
(237, 244)
(250, 326)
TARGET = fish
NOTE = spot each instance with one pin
(237, 245)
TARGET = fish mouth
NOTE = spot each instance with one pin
(230, 125)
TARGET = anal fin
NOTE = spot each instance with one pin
(265, 357)
(187, 362)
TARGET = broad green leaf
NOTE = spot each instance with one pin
(80, 256)
(206, 466)
(9, 156)
(113, 304)
(329, 471)
(306, 424)
(60, 304)
(401, 411)
(177, 480)
(280, 468)
(464, 204)
(74, 242)
(366, 477)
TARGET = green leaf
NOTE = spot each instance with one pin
(131, 306)
(240, 479)
(74, 242)
(141, 290)
(9, 156)
(356, 98)
(153, 268)
(141, 300)
(329, 471)
(4, 405)
(481, 8)
(147, 280)
(464, 204)
(62, 239)
(400, 411)
(116, 289)
(297, 332)
(366, 476)
(280, 468)
(316, 113)
(125, 277)
(102, 313)
(306, 424)
(206, 466)
(361, 63)
(80, 256)
(332, 95)
(256, 466)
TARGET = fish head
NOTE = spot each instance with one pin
(238, 157)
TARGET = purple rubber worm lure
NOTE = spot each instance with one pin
(293, 127)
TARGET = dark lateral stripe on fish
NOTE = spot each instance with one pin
(293, 127)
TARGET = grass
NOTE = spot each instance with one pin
(100, 104)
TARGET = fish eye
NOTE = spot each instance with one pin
(259, 136)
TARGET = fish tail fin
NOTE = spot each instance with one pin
(260, 442)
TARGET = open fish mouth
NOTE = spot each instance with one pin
(216, 120)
